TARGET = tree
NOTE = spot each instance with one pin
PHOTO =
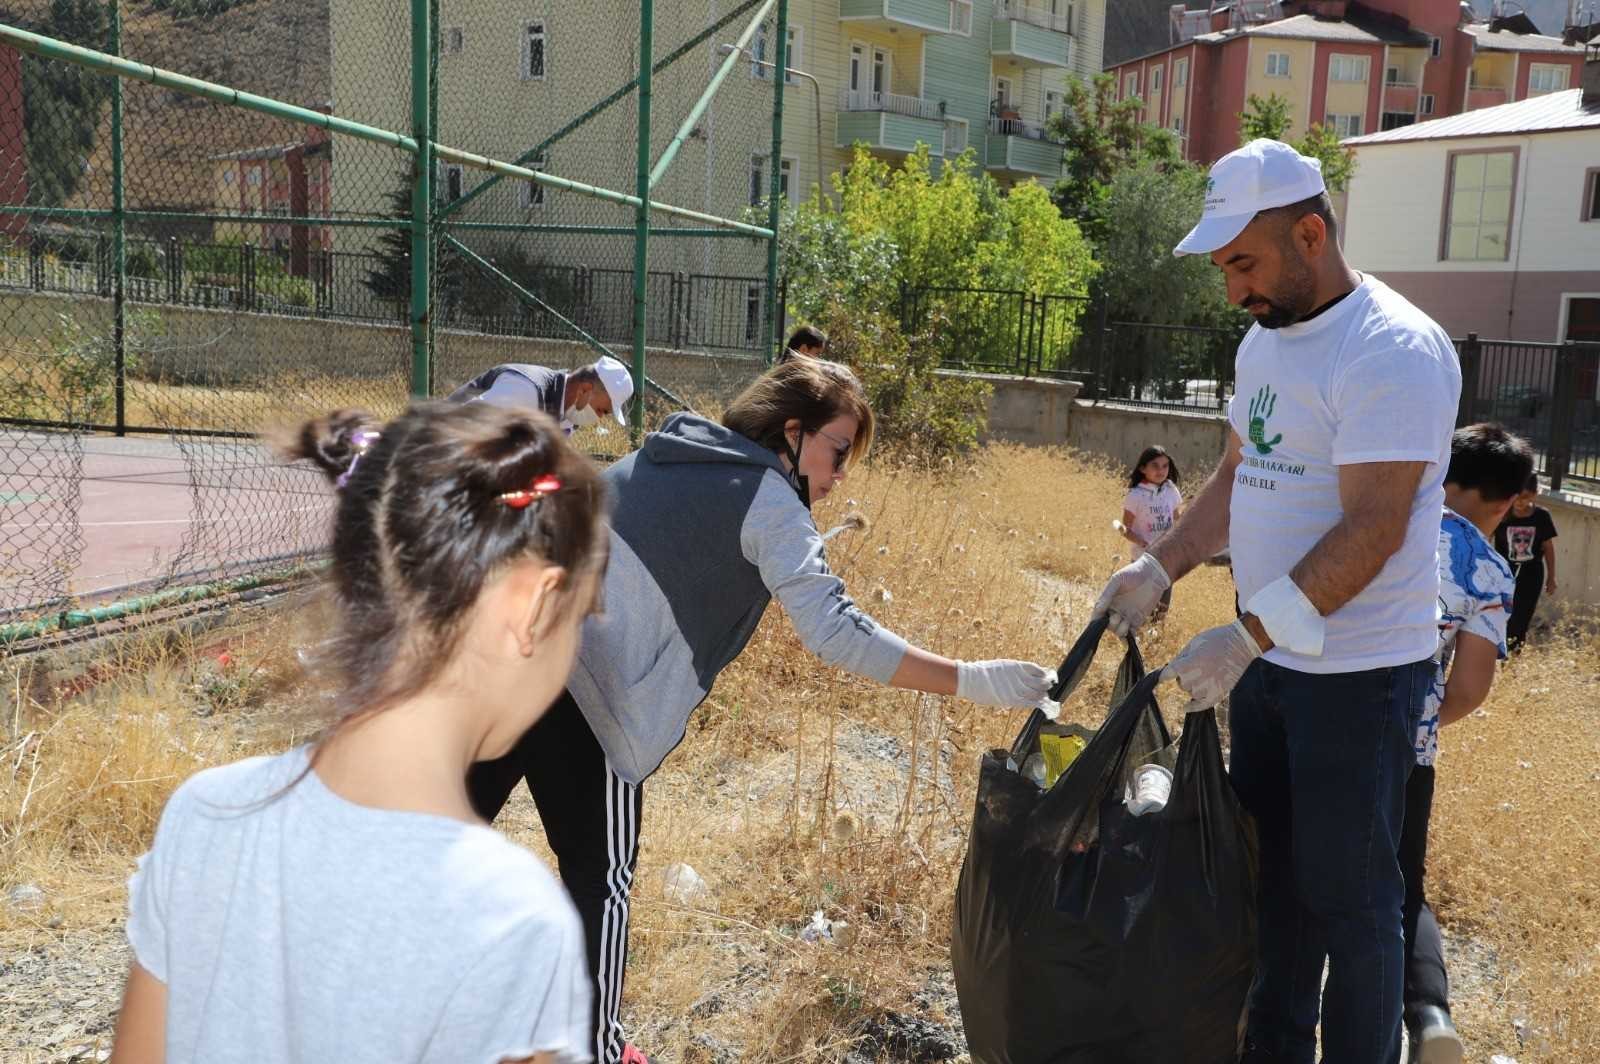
(1148, 209)
(390, 276)
(1269, 118)
(902, 229)
(1102, 136)
(62, 103)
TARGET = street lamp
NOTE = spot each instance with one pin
(816, 91)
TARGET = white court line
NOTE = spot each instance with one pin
(155, 521)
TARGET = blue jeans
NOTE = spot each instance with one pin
(1321, 761)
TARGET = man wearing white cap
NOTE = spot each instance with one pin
(574, 399)
(1327, 496)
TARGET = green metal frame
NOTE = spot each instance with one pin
(428, 219)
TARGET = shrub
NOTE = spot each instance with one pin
(923, 416)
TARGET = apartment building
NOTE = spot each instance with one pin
(1357, 67)
(891, 74)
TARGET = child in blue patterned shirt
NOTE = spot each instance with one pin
(1488, 467)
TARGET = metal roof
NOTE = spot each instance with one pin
(1519, 42)
(1552, 113)
(1311, 28)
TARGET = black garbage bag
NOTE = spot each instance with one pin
(1086, 935)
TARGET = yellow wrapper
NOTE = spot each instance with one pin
(1059, 752)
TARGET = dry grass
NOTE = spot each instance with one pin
(799, 788)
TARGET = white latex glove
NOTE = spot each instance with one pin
(1132, 594)
(1209, 667)
(1014, 684)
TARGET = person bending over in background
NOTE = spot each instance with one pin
(709, 521)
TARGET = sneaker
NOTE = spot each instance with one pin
(631, 1055)
(1434, 1040)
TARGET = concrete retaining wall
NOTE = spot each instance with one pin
(1195, 441)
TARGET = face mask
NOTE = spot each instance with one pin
(582, 417)
(800, 484)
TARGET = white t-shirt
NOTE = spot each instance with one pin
(1153, 508)
(1370, 379)
(307, 928)
(1475, 591)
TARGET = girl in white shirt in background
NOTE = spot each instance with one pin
(1152, 506)
(342, 902)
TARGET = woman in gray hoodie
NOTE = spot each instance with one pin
(708, 522)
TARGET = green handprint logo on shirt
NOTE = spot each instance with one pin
(1261, 408)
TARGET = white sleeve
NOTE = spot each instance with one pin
(528, 994)
(1133, 502)
(781, 540)
(1397, 404)
(149, 887)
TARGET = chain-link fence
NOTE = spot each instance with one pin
(185, 264)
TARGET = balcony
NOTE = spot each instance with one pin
(888, 121)
(1030, 36)
(920, 16)
(1400, 96)
(1022, 148)
(1480, 96)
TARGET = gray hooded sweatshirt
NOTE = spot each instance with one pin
(705, 529)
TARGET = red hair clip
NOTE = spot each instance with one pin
(548, 484)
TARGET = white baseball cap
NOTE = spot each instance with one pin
(618, 383)
(1257, 177)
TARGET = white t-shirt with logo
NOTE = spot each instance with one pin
(1370, 379)
(1154, 507)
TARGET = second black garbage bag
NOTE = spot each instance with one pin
(1087, 935)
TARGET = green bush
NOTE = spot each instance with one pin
(922, 416)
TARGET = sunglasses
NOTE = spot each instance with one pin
(841, 453)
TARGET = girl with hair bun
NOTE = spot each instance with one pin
(343, 901)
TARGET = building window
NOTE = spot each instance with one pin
(1344, 125)
(1433, 47)
(1130, 86)
(252, 177)
(1591, 195)
(955, 136)
(1425, 104)
(454, 39)
(533, 51)
(1546, 77)
(752, 313)
(451, 175)
(1180, 73)
(758, 178)
(530, 194)
(1396, 119)
(1177, 124)
(1054, 104)
(961, 17)
(1155, 80)
(1002, 94)
(1277, 64)
(1479, 206)
(794, 60)
(1347, 68)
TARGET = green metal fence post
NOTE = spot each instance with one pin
(641, 217)
(780, 74)
(421, 198)
(119, 225)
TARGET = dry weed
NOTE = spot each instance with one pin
(799, 788)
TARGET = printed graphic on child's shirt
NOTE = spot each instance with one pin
(1475, 589)
(1521, 538)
